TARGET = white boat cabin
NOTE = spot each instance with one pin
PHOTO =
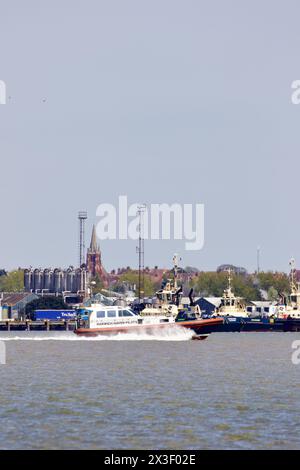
(100, 315)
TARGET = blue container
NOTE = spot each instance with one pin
(54, 315)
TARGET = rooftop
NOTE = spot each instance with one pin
(12, 298)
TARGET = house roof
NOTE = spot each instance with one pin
(216, 301)
(12, 298)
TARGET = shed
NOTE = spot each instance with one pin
(208, 304)
(12, 305)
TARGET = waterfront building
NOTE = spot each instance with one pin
(12, 305)
(262, 307)
(209, 304)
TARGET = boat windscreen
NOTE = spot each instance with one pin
(126, 313)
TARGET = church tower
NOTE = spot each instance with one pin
(93, 261)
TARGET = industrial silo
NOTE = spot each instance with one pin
(64, 280)
(57, 280)
(28, 280)
(37, 274)
(81, 275)
(51, 277)
(71, 281)
(47, 279)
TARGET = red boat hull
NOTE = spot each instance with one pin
(195, 325)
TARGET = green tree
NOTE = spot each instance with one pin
(191, 270)
(244, 286)
(132, 278)
(212, 284)
(12, 281)
(272, 294)
(96, 284)
(279, 281)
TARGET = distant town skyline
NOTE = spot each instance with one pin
(166, 102)
(91, 242)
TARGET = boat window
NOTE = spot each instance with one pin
(111, 313)
(101, 314)
(128, 313)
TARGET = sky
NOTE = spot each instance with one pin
(164, 101)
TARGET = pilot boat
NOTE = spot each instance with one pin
(112, 320)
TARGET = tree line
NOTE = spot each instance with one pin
(261, 286)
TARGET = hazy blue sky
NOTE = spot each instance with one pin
(162, 100)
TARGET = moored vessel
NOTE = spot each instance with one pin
(236, 318)
(291, 308)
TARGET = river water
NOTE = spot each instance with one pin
(231, 391)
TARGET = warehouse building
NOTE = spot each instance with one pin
(12, 305)
(209, 304)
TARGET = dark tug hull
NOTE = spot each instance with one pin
(240, 325)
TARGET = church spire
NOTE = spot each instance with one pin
(94, 247)
(93, 260)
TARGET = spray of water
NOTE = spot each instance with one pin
(172, 334)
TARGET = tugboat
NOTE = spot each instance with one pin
(291, 310)
(231, 305)
(169, 304)
(236, 318)
(232, 311)
(168, 297)
(112, 320)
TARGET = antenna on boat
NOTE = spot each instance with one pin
(228, 292)
(293, 275)
(175, 267)
(258, 259)
(229, 279)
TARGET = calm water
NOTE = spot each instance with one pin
(231, 391)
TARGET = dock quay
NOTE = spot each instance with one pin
(29, 325)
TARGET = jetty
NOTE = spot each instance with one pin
(30, 325)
